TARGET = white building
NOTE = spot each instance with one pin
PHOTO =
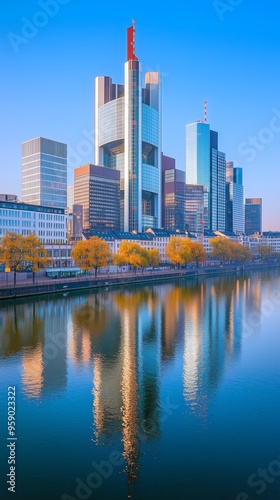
(49, 223)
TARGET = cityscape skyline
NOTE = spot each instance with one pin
(64, 118)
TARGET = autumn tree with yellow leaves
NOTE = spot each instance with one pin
(17, 251)
(225, 249)
(174, 251)
(265, 251)
(182, 251)
(152, 257)
(131, 253)
(198, 253)
(93, 253)
(35, 253)
(12, 252)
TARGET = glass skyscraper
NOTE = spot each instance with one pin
(206, 166)
(128, 138)
(253, 215)
(234, 199)
(44, 173)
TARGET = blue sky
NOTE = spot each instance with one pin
(225, 51)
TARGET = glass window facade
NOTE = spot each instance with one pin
(253, 215)
(205, 166)
(44, 173)
(128, 138)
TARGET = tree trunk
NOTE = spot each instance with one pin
(95, 272)
(33, 277)
(15, 278)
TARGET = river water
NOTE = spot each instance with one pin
(152, 392)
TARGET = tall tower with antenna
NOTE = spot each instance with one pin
(205, 111)
(128, 137)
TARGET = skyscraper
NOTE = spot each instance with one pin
(44, 173)
(128, 138)
(253, 215)
(206, 166)
(194, 208)
(173, 195)
(97, 189)
(234, 199)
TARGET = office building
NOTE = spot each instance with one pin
(206, 166)
(44, 173)
(49, 223)
(97, 190)
(194, 209)
(234, 199)
(173, 196)
(128, 138)
(253, 215)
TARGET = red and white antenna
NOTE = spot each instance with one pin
(205, 111)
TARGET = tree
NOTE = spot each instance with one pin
(174, 251)
(92, 253)
(198, 253)
(131, 253)
(35, 253)
(240, 252)
(12, 252)
(221, 248)
(186, 250)
(119, 260)
(225, 249)
(153, 257)
(265, 251)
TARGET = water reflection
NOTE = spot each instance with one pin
(127, 340)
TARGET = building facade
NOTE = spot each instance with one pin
(253, 215)
(97, 190)
(234, 199)
(44, 173)
(128, 138)
(50, 224)
(173, 196)
(194, 209)
(206, 166)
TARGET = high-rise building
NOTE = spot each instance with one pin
(194, 208)
(206, 166)
(128, 138)
(234, 199)
(44, 173)
(97, 189)
(173, 195)
(253, 215)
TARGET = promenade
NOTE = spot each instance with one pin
(44, 285)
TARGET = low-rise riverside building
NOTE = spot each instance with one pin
(269, 238)
(48, 223)
(151, 238)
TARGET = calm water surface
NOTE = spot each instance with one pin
(158, 392)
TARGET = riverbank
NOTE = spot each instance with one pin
(105, 282)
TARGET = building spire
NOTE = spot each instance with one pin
(131, 42)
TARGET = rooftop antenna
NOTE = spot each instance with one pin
(131, 42)
(205, 111)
